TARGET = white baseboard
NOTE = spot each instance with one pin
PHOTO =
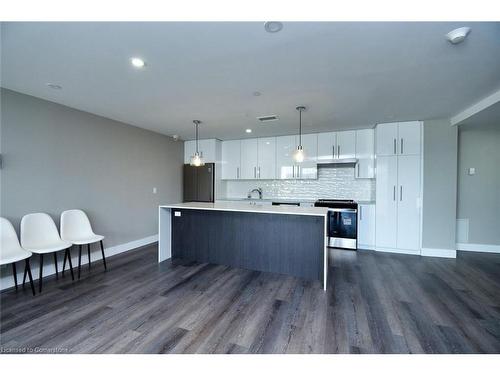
(440, 253)
(482, 248)
(364, 247)
(7, 281)
(398, 251)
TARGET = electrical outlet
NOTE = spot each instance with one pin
(177, 213)
(472, 171)
(155, 190)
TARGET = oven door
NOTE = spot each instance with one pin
(343, 228)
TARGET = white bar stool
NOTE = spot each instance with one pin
(76, 229)
(12, 252)
(40, 236)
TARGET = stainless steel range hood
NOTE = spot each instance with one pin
(337, 162)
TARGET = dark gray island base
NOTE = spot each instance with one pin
(282, 240)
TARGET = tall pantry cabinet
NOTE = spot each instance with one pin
(398, 186)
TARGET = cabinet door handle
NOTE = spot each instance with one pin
(401, 151)
(259, 172)
(394, 146)
(360, 212)
(333, 151)
(299, 172)
(338, 151)
(254, 172)
(293, 171)
(357, 166)
(237, 172)
(401, 192)
(394, 193)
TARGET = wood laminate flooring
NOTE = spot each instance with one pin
(375, 303)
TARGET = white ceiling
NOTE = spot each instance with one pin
(349, 75)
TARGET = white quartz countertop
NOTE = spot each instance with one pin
(245, 207)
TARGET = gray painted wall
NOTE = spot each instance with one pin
(57, 158)
(440, 185)
(479, 195)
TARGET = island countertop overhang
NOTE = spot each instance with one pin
(245, 207)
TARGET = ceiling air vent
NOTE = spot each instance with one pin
(267, 118)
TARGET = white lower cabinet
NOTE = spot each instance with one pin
(366, 226)
(387, 206)
(408, 202)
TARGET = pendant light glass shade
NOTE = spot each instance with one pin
(196, 159)
(299, 155)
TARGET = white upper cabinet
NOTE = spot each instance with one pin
(308, 169)
(231, 159)
(346, 144)
(206, 148)
(249, 159)
(327, 143)
(386, 139)
(398, 138)
(285, 167)
(266, 150)
(365, 147)
(409, 138)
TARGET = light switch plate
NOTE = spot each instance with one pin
(177, 213)
(472, 171)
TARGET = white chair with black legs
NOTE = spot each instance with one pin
(11, 252)
(40, 236)
(76, 228)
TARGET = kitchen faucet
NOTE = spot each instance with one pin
(258, 190)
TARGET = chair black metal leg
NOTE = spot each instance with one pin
(103, 257)
(79, 260)
(64, 262)
(68, 255)
(24, 276)
(27, 269)
(14, 272)
(41, 274)
(55, 265)
(88, 252)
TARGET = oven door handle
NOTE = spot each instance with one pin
(353, 210)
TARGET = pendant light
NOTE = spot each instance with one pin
(196, 159)
(299, 155)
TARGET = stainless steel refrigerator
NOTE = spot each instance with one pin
(199, 183)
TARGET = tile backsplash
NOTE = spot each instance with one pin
(338, 182)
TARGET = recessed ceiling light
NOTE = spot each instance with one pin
(248, 130)
(257, 93)
(54, 86)
(458, 35)
(137, 62)
(273, 26)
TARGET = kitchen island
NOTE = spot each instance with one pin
(280, 239)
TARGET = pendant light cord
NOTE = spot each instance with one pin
(196, 126)
(300, 127)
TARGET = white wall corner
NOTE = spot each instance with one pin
(475, 108)
(439, 253)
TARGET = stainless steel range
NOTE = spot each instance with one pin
(342, 222)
